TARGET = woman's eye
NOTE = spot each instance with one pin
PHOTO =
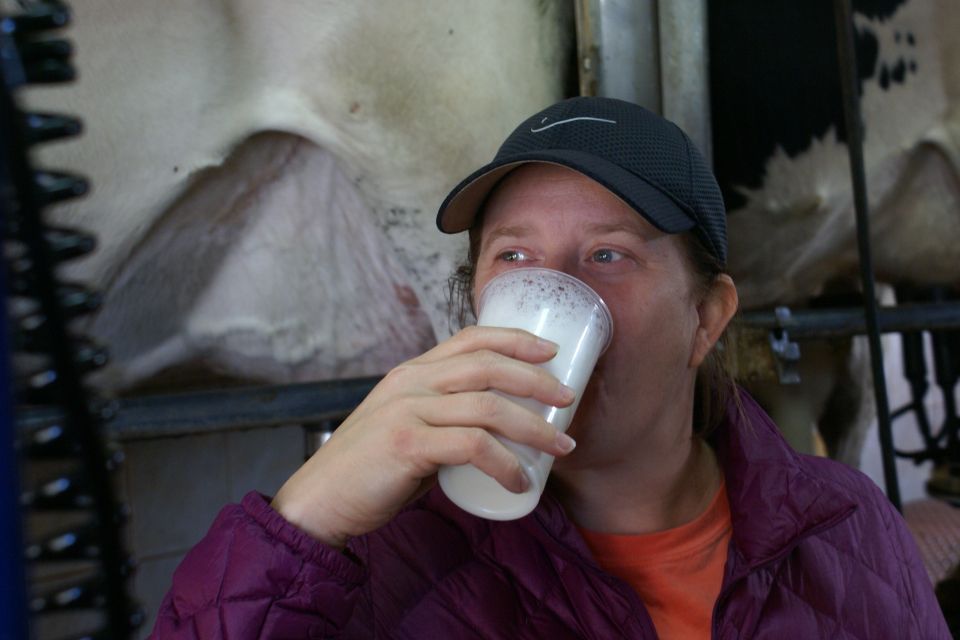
(511, 255)
(606, 255)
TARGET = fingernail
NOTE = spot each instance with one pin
(567, 393)
(565, 443)
(524, 481)
(547, 345)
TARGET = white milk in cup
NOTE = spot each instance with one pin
(557, 307)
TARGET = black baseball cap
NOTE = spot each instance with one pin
(644, 159)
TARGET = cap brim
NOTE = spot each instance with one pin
(459, 209)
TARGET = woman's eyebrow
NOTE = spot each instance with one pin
(516, 231)
(522, 231)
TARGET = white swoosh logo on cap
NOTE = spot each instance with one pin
(553, 124)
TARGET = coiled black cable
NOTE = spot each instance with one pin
(49, 360)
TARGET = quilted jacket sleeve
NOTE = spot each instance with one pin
(254, 575)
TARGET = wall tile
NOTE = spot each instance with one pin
(176, 487)
(263, 459)
(151, 583)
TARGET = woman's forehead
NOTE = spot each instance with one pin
(540, 195)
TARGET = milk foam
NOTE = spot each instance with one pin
(550, 304)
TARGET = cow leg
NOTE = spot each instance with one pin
(798, 408)
(850, 408)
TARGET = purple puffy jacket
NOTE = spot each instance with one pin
(816, 552)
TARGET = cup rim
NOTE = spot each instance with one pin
(566, 276)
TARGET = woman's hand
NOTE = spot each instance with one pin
(437, 409)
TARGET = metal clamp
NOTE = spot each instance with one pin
(786, 353)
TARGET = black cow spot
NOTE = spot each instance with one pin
(884, 77)
(868, 51)
(911, 40)
(899, 72)
(913, 66)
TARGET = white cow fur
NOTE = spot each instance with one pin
(267, 174)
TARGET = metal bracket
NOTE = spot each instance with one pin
(785, 352)
(316, 435)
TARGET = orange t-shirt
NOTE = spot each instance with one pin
(676, 572)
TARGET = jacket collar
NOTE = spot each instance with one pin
(775, 498)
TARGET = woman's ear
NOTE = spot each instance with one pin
(715, 311)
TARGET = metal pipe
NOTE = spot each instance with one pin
(222, 410)
(650, 52)
(847, 58)
(618, 50)
(835, 323)
(685, 69)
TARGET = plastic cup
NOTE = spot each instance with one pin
(557, 307)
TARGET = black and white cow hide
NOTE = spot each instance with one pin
(781, 158)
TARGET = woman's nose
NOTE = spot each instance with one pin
(559, 262)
